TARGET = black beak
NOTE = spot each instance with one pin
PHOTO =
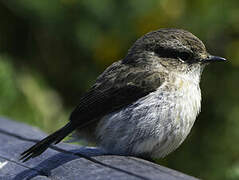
(211, 58)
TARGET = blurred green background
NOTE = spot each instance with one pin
(52, 51)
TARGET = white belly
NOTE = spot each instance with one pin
(154, 125)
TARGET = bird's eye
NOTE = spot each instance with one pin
(184, 56)
(173, 53)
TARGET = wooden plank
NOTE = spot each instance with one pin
(9, 170)
(67, 161)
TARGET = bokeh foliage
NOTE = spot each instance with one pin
(52, 51)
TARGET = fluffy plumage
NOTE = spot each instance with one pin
(144, 104)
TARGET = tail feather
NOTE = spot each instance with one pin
(42, 145)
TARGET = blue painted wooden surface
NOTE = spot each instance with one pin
(71, 162)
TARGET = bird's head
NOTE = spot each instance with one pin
(175, 49)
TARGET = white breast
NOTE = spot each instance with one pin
(155, 124)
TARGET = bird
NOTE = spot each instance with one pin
(145, 104)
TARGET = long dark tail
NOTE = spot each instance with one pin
(42, 145)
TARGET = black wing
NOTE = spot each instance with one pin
(118, 86)
(97, 103)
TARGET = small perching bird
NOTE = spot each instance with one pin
(145, 104)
